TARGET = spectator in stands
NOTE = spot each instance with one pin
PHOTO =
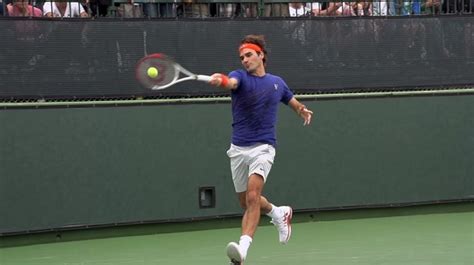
(38, 3)
(64, 9)
(394, 7)
(379, 8)
(163, 10)
(325, 8)
(276, 10)
(362, 8)
(226, 10)
(299, 9)
(21, 8)
(412, 7)
(431, 7)
(347, 9)
(99, 8)
(458, 6)
(129, 10)
(404, 7)
(192, 9)
(416, 7)
(358, 8)
(249, 9)
(151, 10)
(200, 10)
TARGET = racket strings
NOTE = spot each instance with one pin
(167, 72)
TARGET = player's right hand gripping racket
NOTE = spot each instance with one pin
(158, 71)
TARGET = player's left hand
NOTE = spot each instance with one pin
(306, 114)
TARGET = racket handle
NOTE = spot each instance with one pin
(205, 78)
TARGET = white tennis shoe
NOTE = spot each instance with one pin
(235, 254)
(283, 224)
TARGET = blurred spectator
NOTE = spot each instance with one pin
(412, 7)
(416, 7)
(64, 9)
(249, 9)
(362, 8)
(192, 9)
(99, 8)
(379, 8)
(200, 10)
(276, 10)
(404, 7)
(299, 9)
(1, 8)
(325, 8)
(458, 6)
(347, 9)
(392, 7)
(164, 10)
(21, 8)
(38, 3)
(226, 10)
(129, 10)
(168, 10)
(151, 10)
(431, 7)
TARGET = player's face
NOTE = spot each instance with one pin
(251, 60)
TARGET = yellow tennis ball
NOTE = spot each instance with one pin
(152, 72)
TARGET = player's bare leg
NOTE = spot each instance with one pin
(251, 201)
(254, 204)
(281, 216)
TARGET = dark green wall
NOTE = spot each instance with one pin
(86, 166)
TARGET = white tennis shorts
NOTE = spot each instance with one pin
(248, 160)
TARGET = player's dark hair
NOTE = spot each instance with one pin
(257, 40)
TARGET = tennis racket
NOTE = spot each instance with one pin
(158, 71)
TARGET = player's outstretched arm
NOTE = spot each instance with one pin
(223, 81)
(301, 110)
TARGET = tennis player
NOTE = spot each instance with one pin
(256, 95)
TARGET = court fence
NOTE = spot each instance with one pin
(96, 59)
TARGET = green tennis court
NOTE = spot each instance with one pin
(434, 235)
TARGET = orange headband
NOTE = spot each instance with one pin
(250, 46)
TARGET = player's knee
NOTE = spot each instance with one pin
(253, 198)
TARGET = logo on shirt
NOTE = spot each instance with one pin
(276, 86)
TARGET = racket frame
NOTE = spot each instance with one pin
(178, 69)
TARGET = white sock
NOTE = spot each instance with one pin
(244, 244)
(275, 213)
